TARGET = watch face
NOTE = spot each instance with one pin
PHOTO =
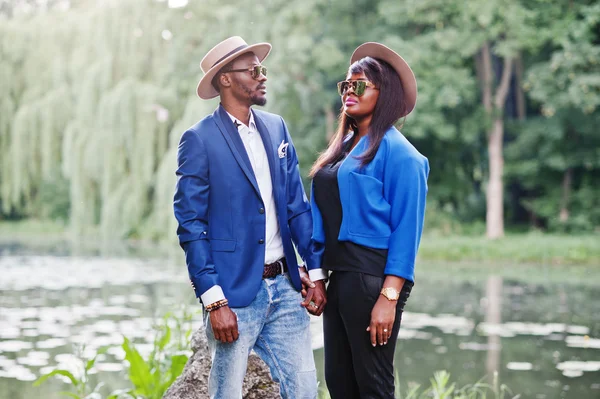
(390, 293)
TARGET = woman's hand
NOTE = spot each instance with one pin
(383, 316)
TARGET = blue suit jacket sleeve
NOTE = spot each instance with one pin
(318, 233)
(191, 210)
(298, 208)
(405, 188)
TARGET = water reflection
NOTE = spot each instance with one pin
(543, 339)
(493, 315)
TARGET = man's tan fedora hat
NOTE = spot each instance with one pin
(220, 55)
(407, 77)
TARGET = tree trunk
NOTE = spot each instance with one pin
(495, 189)
(485, 72)
(566, 193)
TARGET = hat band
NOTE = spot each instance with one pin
(243, 46)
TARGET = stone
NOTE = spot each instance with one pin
(193, 381)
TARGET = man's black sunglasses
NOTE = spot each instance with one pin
(255, 71)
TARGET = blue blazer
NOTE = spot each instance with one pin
(221, 213)
(383, 203)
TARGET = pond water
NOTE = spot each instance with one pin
(539, 326)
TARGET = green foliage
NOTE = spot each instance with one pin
(559, 182)
(442, 388)
(80, 379)
(150, 377)
(153, 376)
(53, 200)
(98, 105)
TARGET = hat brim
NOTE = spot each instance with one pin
(407, 77)
(206, 91)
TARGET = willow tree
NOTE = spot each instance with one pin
(36, 107)
(102, 99)
(87, 105)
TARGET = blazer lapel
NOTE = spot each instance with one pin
(273, 161)
(233, 139)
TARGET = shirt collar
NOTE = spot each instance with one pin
(240, 125)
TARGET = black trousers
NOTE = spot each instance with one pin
(353, 367)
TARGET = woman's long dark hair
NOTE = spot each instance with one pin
(388, 110)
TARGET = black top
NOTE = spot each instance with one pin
(342, 255)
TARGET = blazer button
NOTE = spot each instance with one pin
(261, 241)
(261, 210)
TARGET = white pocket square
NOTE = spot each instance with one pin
(282, 150)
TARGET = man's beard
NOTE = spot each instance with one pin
(254, 99)
(261, 101)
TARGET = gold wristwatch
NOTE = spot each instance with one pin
(390, 293)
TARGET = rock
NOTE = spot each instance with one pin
(193, 381)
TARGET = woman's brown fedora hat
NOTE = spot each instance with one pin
(220, 55)
(407, 77)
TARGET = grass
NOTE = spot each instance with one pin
(532, 248)
(523, 248)
(31, 227)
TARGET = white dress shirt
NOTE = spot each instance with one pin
(260, 165)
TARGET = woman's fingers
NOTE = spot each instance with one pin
(379, 333)
(381, 336)
(309, 297)
(372, 329)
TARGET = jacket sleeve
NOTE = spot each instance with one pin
(405, 188)
(191, 211)
(298, 207)
(318, 233)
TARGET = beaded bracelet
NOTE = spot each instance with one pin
(216, 305)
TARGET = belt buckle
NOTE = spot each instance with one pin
(280, 263)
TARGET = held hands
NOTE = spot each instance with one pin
(383, 316)
(314, 294)
(224, 324)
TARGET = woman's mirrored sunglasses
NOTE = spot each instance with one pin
(255, 71)
(357, 86)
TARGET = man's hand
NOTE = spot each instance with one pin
(306, 282)
(316, 298)
(224, 324)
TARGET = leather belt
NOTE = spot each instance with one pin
(276, 268)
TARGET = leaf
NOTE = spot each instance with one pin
(178, 363)
(139, 372)
(64, 373)
(90, 363)
(71, 394)
(121, 393)
(165, 338)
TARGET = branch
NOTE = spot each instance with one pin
(486, 70)
(502, 90)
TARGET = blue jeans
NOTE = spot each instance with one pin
(277, 328)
